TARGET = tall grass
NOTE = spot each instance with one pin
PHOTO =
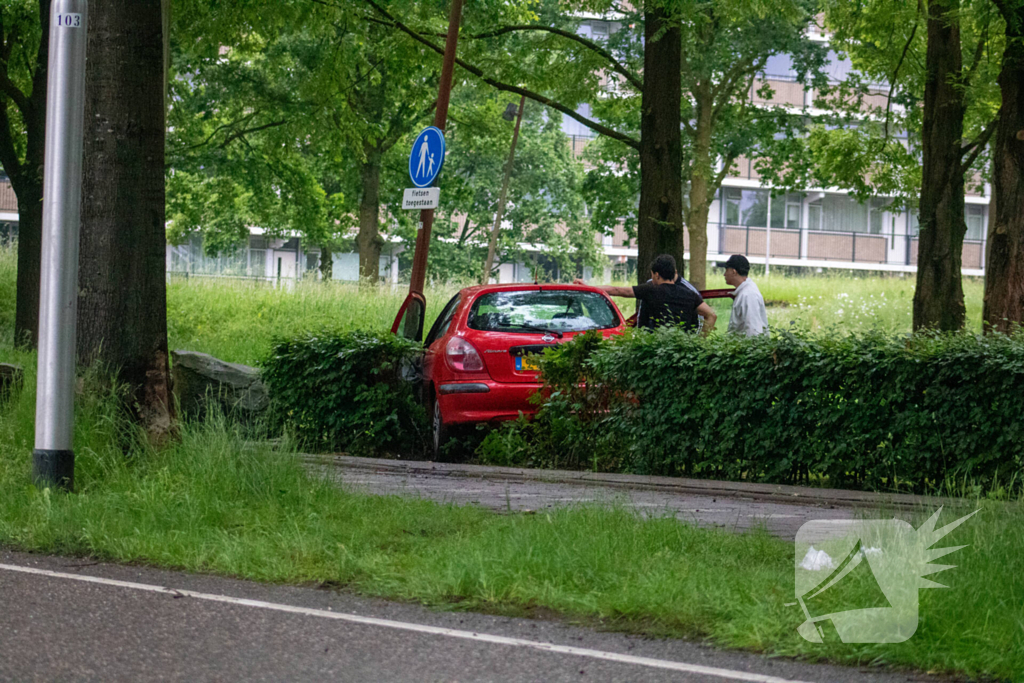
(8, 285)
(236, 320)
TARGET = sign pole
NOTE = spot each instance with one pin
(492, 246)
(419, 264)
(53, 460)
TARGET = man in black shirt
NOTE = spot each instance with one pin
(665, 301)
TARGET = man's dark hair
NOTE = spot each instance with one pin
(665, 266)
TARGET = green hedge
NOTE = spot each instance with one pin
(868, 411)
(346, 391)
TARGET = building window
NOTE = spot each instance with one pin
(793, 215)
(814, 216)
(257, 262)
(780, 67)
(974, 215)
(839, 213)
(878, 208)
(747, 208)
(786, 211)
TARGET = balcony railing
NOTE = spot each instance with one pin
(833, 246)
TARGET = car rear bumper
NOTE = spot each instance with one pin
(485, 401)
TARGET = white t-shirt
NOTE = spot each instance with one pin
(749, 316)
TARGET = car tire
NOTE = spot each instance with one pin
(441, 431)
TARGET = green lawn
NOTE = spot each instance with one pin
(212, 504)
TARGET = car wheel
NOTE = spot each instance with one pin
(441, 430)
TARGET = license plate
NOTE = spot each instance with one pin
(527, 364)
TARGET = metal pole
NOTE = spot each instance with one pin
(53, 460)
(493, 244)
(768, 238)
(419, 265)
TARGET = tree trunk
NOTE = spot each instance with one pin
(369, 239)
(660, 215)
(939, 296)
(1004, 267)
(697, 226)
(326, 263)
(30, 242)
(122, 304)
(27, 183)
(700, 186)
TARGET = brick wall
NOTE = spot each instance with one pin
(8, 202)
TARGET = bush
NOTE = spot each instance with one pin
(867, 411)
(574, 428)
(346, 391)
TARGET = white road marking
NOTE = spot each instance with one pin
(417, 628)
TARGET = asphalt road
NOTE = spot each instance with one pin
(74, 620)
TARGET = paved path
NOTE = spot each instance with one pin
(722, 504)
(74, 620)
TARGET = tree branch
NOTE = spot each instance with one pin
(723, 94)
(721, 175)
(245, 131)
(738, 70)
(8, 155)
(979, 52)
(398, 131)
(8, 87)
(498, 85)
(978, 144)
(617, 66)
(216, 130)
(895, 78)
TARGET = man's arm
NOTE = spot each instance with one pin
(609, 289)
(710, 318)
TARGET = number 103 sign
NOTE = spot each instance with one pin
(69, 20)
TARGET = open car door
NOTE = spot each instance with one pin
(409, 321)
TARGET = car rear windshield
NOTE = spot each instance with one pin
(542, 311)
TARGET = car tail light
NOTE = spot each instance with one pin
(462, 356)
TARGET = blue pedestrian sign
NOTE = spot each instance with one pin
(427, 157)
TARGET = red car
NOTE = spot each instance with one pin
(480, 356)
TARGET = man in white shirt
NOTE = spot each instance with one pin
(749, 316)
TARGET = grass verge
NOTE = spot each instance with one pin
(209, 504)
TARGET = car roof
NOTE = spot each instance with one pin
(526, 287)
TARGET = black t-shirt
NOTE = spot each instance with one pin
(667, 304)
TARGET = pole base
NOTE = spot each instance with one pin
(53, 469)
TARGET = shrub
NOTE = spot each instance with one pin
(346, 391)
(574, 428)
(871, 411)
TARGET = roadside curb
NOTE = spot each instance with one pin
(778, 493)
